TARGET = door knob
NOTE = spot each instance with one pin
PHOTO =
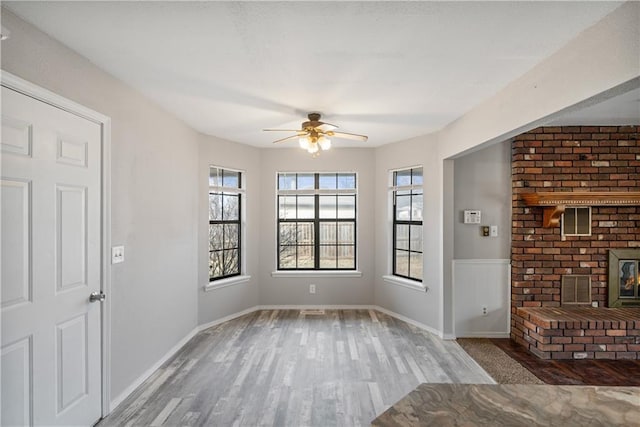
(97, 296)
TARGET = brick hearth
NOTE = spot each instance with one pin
(580, 333)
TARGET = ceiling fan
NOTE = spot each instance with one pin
(315, 135)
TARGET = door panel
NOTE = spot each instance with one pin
(72, 357)
(71, 236)
(16, 242)
(16, 383)
(51, 193)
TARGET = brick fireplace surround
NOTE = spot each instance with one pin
(574, 158)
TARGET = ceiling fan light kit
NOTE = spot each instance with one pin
(313, 137)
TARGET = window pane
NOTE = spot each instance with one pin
(328, 181)
(215, 264)
(403, 207)
(306, 181)
(402, 177)
(416, 207)
(215, 177)
(231, 262)
(402, 236)
(288, 233)
(230, 207)
(287, 182)
(306, 207)
(230, 179)
(416, 238)
(569, 221)
(306, 234)
(415, 267)
(328, 233)
(402, 263)
(582, 221)
(328, 257)
(416, 176)
(287, 207)
(346, 257)
(346, 233)
(346, 181)
(215, 237)
(305, 257)
(327, 206)
(287, 257)
(346, 206)
(215, 207)
(230, 236)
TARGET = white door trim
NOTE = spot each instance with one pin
(34, 91)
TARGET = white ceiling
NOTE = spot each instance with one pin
(391, 70)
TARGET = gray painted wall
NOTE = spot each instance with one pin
(217, 303)
(482, 181)
(154, 200)
(423, 307)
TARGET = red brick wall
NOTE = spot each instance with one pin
(574, 158)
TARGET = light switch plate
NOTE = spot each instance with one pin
(493, 231)
(117, 254)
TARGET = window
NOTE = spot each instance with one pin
(317, 221)
(407, 223)
(225, 227)
(576, 221)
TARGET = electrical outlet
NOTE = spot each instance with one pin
(485, 312)
(312, 289)
(117, 254)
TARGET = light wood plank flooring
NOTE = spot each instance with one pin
(290, 368)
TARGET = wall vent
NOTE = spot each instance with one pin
(312, 312)
(575, 290)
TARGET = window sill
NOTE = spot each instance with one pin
(405, 283)
(223, 283)
(315, 273)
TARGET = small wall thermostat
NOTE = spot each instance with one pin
(471, 217)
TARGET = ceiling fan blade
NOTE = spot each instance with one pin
(286, 139)
(281, 130)
(327, 124)
(346, 135)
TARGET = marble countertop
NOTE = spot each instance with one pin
(514, 405)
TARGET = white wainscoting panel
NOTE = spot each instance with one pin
(478, 284)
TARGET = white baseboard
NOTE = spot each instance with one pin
(410, 321)
(227, 318)
(492, 334)
(316, 307)
(142, 378)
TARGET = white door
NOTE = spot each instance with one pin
(50, 195)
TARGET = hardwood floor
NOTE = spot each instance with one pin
(288, 368)
(574, 372)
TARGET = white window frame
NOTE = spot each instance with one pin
(243, 276)
(562, 229)
(337, 273)
(391, 278)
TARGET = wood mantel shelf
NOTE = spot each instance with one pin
(554, 203)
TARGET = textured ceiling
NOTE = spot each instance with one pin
(391, 70)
